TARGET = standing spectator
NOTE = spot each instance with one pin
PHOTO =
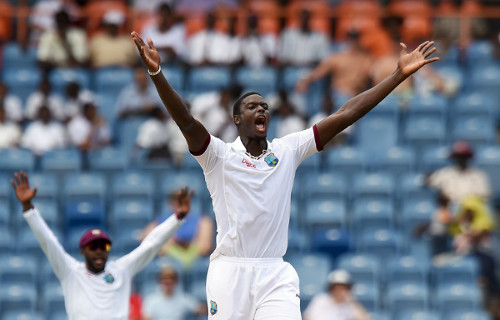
(460, 180)
(45, 97)
(338, 303)
(138, 98)
(12, 104)
(104, 47)
(303, 46)
(64, 46)
(350, 70)
(169, 302)
(257, 49)
(169, 35)
(76, 98)
(89, 131)
(10, 133)
(44, 134)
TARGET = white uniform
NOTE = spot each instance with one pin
(247, 278)
(106, 295)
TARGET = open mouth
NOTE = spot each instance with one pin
(260, 123)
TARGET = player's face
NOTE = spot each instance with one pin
(254, 117)
(96, 255)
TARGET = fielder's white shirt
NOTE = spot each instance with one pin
(251, 198)
(106, 295)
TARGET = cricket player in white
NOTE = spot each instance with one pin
(250, 181)
(96, 290)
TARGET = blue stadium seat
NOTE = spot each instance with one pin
(408, 268)
(84, 186)
(6, 187)
(84, 214)
(109, 160)
(199, 269)
(17, 297)
(486, 79)
(376, 134)
(59, 316)
(263, 80)
(298, 241)
(175, 77)
(458, 296)
(15, 160)
(313, 270)
(424, 131)
(4, 214)
(387, 107)
(419, 315)
(460, 269)
(488, 159)
(384, 242)
(124, 242)
(46, 274)
(479, 53)
(129, 213)
(412, 186)
(324, 184)
(15, 57)
(23, 315)
(49, 210)
(474, 104)
(325, 211)
(112, 80)
(346, 160)
(52, 299)
(206, 79)
(434, 105)
(364, 267)
(6, 240)
(435, 157)
(465, 314)
(368, 295)
(107, 106)
(415, 212)
(476, 130)
(133, 185)
(379, 315)
(128, 130)
(373, 185)
(451, 72)
(405, 296)
(48, 186)
(28, 244)
(397, 160)
(22, 81)
(62, 161)
(59, 78)
(171, 182)
(372, 214)
(17, 269)
(199, 292)
(331, 241)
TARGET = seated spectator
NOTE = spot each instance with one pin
(338, 303)
(194, 239)
(303, 46)
(288, 121)
(169, 302)
(149, 6)
(10, 132)
(460, 180)
(45, 97)
(12, 105)
(257, 49)
(63, 46)
(168, 35)
(138, 98)
(89, 131)
(104, 47)
(349, 70)
(44, 134)
(76, 98)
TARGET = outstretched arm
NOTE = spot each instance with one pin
(357, 107)
(195, 133)
(325, 67)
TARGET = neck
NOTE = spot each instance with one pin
(254, 146)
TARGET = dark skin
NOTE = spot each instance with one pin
(95, 260)
(254, 139)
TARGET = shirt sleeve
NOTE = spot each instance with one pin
(59, 259)
(211, 153)
(149, 247)
(305, 143)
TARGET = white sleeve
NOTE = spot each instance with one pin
(149, 247)
(44, 46)
(305, 143)
(209, 156)
(59, 260)
(80, 49)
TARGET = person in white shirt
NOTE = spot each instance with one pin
(10, 132)
(460, 180)
(12, 104)
(208, 46)
(44, 134)
(338, 303)
(96, 289)
(250, 181)
(76, 97)
(257, 50)
(44, 96)
(89, 131)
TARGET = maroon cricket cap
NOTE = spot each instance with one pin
(461, 148)
(93, 234)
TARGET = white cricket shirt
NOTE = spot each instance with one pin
(251, 198)
(105, 295)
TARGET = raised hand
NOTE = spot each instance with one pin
(411, 62)
(148, 52)
(183, 202)
(21, 186)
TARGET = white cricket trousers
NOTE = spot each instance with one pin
(252, 289)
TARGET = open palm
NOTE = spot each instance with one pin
(21, 186)
(411, 62)
(148, 52)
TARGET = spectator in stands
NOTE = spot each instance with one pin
(303, 46)
(104, 47)
(338, 303)
(89, 131)
(460, 180)
(138, 98)
(288, 120)
(76, 98)
(96, 288)
(257, 49)
(44, 134)
(11, 104)
(10, 132)
(150, 6)
(169, 36)
(63, 46)
(44, 96)
(349, 69)
(169, 302)
(193, 240)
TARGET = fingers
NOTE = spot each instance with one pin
(431, 60)
(24, 178)
(428, 44)
(421, 46)
(16, 177)
(428, 53)
(403, 48)
(35, 189)
(13, 184)
(150, 43)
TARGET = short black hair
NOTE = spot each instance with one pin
(237, 104)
